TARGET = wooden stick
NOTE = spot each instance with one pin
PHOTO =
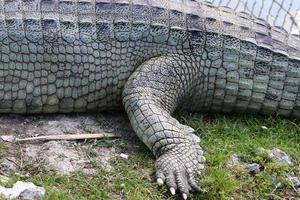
(68, 137)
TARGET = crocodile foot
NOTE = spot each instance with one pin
(179, 167)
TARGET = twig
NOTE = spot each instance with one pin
(68, 137)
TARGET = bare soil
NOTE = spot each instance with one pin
(64, 157)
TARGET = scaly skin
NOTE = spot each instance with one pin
(149, 102)
(152, 55)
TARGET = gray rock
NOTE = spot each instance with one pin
(124, 156)
(233, 161)
(23, 190)
(89, 172)
(30, 194)
(253, 168)
(277, 155)
(8, 138)
(8, 166)
(280, 157)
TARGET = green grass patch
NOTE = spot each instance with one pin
(1, 149)
(223, 136)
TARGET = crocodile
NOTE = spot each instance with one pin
(148, 57)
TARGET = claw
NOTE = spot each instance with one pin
(172, 190)
(179, 171)
(196, 188)
(159, 181)
(193, 184)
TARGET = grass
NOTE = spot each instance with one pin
(221, 136)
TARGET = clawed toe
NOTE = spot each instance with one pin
(182, 184)
(172, 190)
(194, 185)
(179, 170)
(178, 181)
(160, 177)
(159, 181)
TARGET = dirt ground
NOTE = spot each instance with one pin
(64, 157)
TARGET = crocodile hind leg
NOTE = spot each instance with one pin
(150, 96)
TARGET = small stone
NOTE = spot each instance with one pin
(277, 155)
(253, 168)
(88, 171)
(8, 138)
(30, 194)
(264, 128)
(8, 166)
(295, 181)
(124, 156)
(280, 157)
(233, 161)
(23, 190)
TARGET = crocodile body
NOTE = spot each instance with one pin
(149, 57)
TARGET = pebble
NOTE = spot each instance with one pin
(253, 168)
(89, 172)
(8, 166)
(264, 127)
(280, 157)
(124, 156)
(233, 161)
(8, 138)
